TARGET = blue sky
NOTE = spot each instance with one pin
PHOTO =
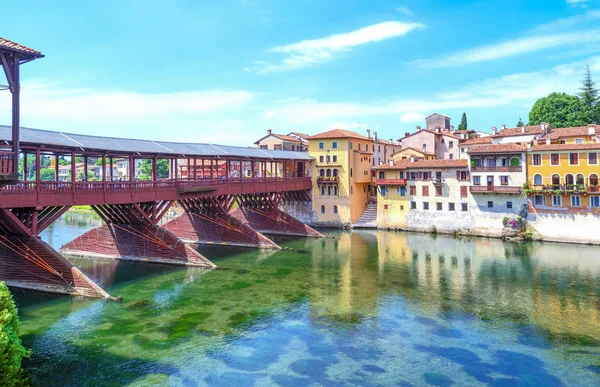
(225, 71)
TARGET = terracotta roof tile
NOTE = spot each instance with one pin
(478, 140)
(13, 46)
(338, 133)
(561, 147)
(424, 164)
(496, 148)
(557, 133)
(301, 135)
(529, 130)
(286, 138)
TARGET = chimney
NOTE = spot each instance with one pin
(369, 133)
(463, 136)
(548, 141)
(437, 129)
(391, 141)
(543, 125)
(592, 130)
(418, 127)
(503, 126)
(392, 162)
(412, 158)
(528, 145)
(269, 131)
(408, 133)
(494, 130)
(375, 135)
(523, 129)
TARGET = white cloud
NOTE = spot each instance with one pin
(353, 125)
(577, 20)
(51, 101)
(404, 11)
(270, 114)
(513, 90)
(512, 48)
(310, 52)
(412, 117)
(578, 3)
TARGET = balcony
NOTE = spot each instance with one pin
(400, 182)
(328, 179)
(506, 189)
(496, 169)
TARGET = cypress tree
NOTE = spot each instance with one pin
(520, 122)
(463, 122)
(589, 93)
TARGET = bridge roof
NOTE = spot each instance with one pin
(126, 146)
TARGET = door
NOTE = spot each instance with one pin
(490, 182)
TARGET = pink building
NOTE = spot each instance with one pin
(437, 141)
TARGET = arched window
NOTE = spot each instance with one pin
(537, 179)
(322, 209)
(569, 179)
(322, 190)
(335, 209)
(328, 172)
(594, 180)
(335, 190)
(580, 179)
(329, 190)
(555, 179)
(335, 172)
(321, 172)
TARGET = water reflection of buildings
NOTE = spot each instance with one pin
(549, 285)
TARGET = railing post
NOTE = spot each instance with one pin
(37, 169)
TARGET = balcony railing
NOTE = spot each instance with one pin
(496, 169)
(400, 182)
(495, 189)
(328, 180)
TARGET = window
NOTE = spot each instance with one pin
(322, 209)
(367, 147)
(556, 201)
(438, 206)
(537, 159)
(538, 200)
(402, 191)
(509, 205)
(569, 179)
(425, 205)
(593, 180)
(573, 158)
(381, 175)
(592, 158)
(322, 190)
(464, 207)
(335, 172)
(463, 191)
(321, 145)
(426, 175)
(350, 145)
(359, 146)
(335, 209)
(554, 159)
(595, 201)
(264, 147)
(451, 156)
(503, 180)
(385, 206)
(490, 204)
(321, 159)
(438, 190)
(575, 201)
(413, 205)
(450, 206)
(579, 141)
(491, 162)
(450, 144)
(476, 180)
(334, 157)
(334, 144)
(555, 179)
(350, 172)
(537, 179)
(335, 190)
(329, 190)
(462, 150)
(383, 191)
(321, 172)
(413, 190)
(425, 190)
(328, 159)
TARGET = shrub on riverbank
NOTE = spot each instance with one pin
(11, 349)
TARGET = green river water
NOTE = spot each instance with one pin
(356, 308)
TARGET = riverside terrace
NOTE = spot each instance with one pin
(206, 180)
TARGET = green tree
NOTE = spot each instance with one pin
(11, 348)
(520, 123)
(463, 122)
(162, 169)
(47, 174)
(560, 110)
(589, 93)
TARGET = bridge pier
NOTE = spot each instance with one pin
(207, 221)
(262, 212)
(130, 233)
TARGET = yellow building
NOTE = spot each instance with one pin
(564, 177)
(341, 175)
(392, 196)
(409, 152)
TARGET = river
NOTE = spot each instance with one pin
(355, 308)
